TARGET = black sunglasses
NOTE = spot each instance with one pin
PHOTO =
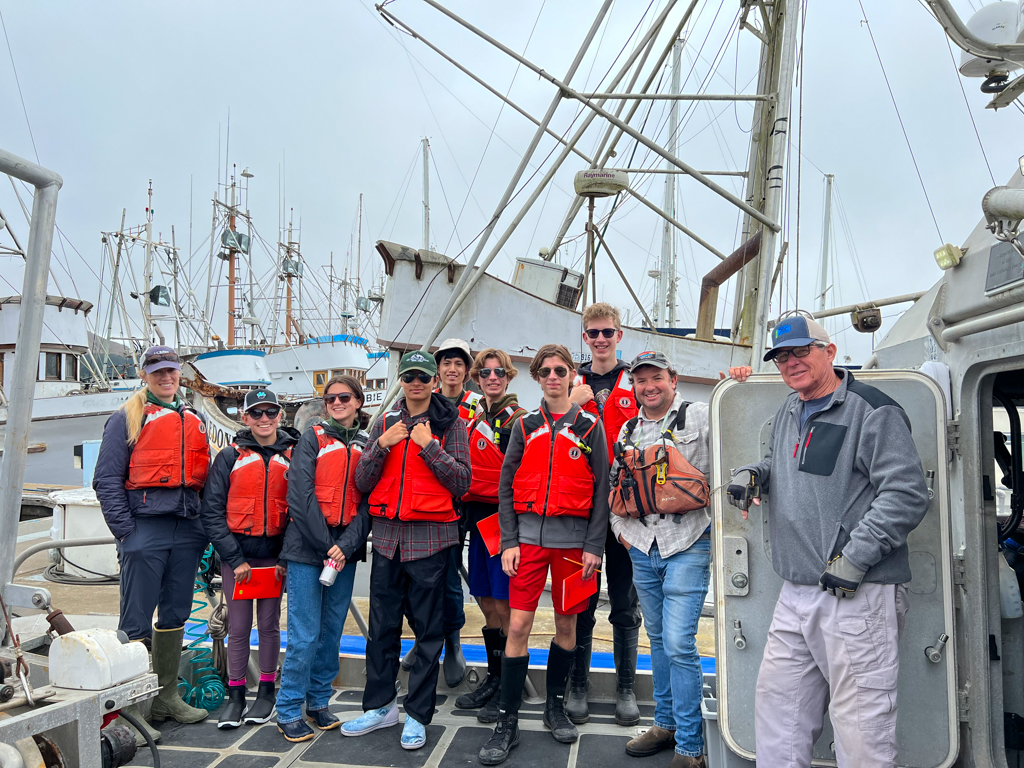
(410, 376)
(606, 332)
(485, 373)
(560, 371)
(341, 397)
(166, 357)
(258, 413)
(782, 357)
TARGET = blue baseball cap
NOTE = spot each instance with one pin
(796, 331)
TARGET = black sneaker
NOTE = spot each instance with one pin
(502, 741)
(234, 710)
(322, 719)
(475, 699)
(263, 708)
(297, 730)
(489, 712)
(560, 725)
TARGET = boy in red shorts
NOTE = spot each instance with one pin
(553, 510)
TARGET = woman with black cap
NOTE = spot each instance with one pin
(245, 512)
(152, 464)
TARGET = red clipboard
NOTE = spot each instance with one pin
(263, 583)
(576, 589)
(490, 532)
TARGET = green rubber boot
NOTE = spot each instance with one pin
(168, 705)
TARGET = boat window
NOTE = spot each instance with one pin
(52, 366)
(319, 381)
(70, 368)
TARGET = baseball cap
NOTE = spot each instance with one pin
(159, 357)
(259, 397)
(657, 359)
(796, 331)
(417, 360)
(454, 345)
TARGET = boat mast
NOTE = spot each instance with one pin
(826, 231)
(289, 270)
(426, 195)
(232, 265)
(359, 248)
(147, 273)
(664, 311)
(115, 292)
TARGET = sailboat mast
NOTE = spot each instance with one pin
(359, 247)
(826, 231)
(426, 194)
(665, 309)
(232, 267)
(147, 272)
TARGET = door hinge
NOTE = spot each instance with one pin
(953, 438)
(959, 571)
(963, 708)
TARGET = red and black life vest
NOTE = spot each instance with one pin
(469, 406)
(487, 444)
(554, 477)
(407, 489)
(619, 408)
(257, 502)
(335, 477)
(172, 450)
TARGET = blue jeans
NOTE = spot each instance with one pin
(316, 618)
(672, 592)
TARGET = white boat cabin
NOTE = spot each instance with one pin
(64, 341)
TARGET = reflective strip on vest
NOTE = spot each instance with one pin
(554, 477)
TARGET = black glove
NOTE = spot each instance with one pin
(741, 494)
(841, 578)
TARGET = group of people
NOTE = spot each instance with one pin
(612, 468)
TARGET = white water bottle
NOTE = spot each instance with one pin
(329, 573)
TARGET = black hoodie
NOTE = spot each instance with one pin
(237, 548)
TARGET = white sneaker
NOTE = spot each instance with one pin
(374, 720)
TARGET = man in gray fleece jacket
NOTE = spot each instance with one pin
(846, 488)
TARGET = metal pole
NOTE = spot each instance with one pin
(661, 310)
(426, 195)
(681, 96)
(826, 227)
(21, 391)
(591, 227)
(464, 278)
(590, 249)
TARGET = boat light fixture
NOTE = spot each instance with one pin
(948, 256)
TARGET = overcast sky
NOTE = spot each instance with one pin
(327, 101)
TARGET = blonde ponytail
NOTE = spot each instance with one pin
(134, 410)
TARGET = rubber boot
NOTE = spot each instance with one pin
(454, 661)
(409, 659)
(576, 707)
(506, 732)
(231, 715)
(263, 708)
(140, 740)
(626, 640)
(485, 697)
(168, 705)
(560, 666)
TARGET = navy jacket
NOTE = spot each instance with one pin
(236, 548)
(120, 505)
(308, 537)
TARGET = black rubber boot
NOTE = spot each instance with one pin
(560, 666)
(626, 640)
(231, 715)
(409, 659)
(454, 662)
(506, 732)
(576, 707)
(263, 708)
(485, 697)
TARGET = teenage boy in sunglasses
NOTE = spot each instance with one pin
(415, 464)
(603, 388)
(553, 508)
(489, 435)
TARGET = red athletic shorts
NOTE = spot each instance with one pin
(526, 586)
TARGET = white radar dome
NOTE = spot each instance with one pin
(599, 182)
(995, 23)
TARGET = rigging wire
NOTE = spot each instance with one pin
(17, 80)
(444, 194)
(970, 114)
(903, 127)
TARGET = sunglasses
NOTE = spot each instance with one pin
(166, 357)
(782, 357)
(485, 373)
(341, 397)
(560, 371)
(595, 332)
(258, 413)
(410, 376)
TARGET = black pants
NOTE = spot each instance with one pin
(158, 570)
(625, 612)
(419, 586)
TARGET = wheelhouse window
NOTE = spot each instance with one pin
(70, 368)
(52, 366)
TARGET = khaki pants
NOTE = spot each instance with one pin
(820, 646)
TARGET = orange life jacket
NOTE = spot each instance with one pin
(172, 450)
(335, 477)
(469, 405)
(257, 502)
(487, 445)
(619, 408)
(554, 477)
(407, 489)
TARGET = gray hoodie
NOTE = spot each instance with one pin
(849, 482)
